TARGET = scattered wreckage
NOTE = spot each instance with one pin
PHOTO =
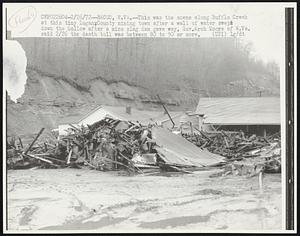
(112, 144)
(244, 155)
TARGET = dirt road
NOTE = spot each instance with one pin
(71, 199)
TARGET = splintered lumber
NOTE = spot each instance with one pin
(236, 146)
(20, 141)
(130, 161)
(77, 143)
(89, 164)
(36, 137)
(222, 131)
(204, 135)
(51, 145)
(119, 163)
(51, 158)
(69, 157)
(226, 142)
(101, 143)
(41, 159)
(132, 127)
(74, 127)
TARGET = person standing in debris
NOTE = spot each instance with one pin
(144, 141)
(108, 152)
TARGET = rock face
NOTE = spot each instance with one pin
(64, 74)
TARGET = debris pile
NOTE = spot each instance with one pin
(43, 154)
(111, 144)
(107, 144)
(254, 153)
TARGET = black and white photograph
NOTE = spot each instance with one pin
(139, 117)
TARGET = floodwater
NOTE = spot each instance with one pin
(73, 199)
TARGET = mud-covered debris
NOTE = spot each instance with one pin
(245, 155)
(111, 144)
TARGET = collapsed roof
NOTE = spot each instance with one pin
(176, 150)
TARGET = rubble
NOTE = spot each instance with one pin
(112, 144)
(245, 155)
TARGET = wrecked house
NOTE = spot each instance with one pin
(125, 113)
(113, 138)
(252, 115)
(184, 122)
(111, 144)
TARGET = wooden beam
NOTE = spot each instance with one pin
(38, 135)
(166, 111)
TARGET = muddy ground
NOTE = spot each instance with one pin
(72, 199)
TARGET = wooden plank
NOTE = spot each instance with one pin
(69, 156)
(130, 162)
(21, 144)
(117, 162)
(166, 111)
(38, 135)
(42, 159)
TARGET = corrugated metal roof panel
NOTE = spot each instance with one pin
(244, 110)
(176, 150)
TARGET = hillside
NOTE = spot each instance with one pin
(65, 75)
